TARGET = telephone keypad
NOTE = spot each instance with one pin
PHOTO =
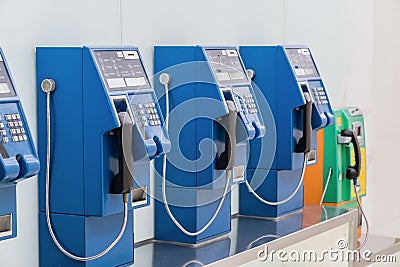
(146, 114)
(319, 96)
(16, 128)
(248, 103)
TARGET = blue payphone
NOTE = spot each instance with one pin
(291, 83)
(18, 159)
(99, 126)
(211, 113)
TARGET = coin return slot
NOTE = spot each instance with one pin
(6, 225)
(139, 196)
(312, 157)
(357, 128)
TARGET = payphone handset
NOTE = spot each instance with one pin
(18, 155)
(119, 109)
(221, 68)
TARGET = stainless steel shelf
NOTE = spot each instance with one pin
(247, 237)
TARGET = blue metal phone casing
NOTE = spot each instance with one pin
(18, 156)
(282, 74)
(197, 104)
(85, 151)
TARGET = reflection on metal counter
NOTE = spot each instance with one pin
(260, 231)
(18, 159)
(250, 235)
(289, 80)
(99, 126)
(213, 115)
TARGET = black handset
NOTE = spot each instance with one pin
(227, 158)
(304, 144)
(123, 180)
(353, 172)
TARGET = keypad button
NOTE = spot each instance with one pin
(145, 124)
(18, 131)
(14, 117)
(13, 131)
(133, 106)
(24, 137)
(22, 130)
(1, 125)
(10, 124)
(20, 138)
(146, 105)
(8, 117)
(141, 112)
(144, 118)
(15, 138)
(3, 132)
(140, 106)
(5, 139)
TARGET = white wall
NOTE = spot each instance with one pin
(340, 33)
(25, 25)
(384, 181)
(191, 23)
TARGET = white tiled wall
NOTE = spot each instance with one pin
(355, 43)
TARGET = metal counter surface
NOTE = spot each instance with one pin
(247, 237)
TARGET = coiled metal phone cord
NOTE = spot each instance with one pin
(356, 189)
(365, 217)
(165, 79)
(48, 219)
(289, 197)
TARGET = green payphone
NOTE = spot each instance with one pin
(345, 155)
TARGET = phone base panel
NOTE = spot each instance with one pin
(85, 236)
(192, 209)
(274, 186)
